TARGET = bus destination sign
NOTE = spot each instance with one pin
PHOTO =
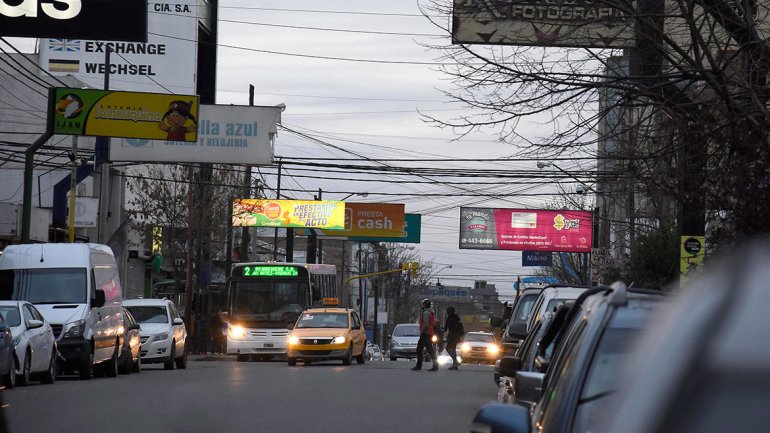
(270, 271)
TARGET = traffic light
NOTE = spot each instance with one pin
(413, 269)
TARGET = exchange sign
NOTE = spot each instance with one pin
(526, 229)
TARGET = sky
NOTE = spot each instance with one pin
(357, 79)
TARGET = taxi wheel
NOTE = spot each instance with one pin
(291, 361)
(362, 357)
(348, 359)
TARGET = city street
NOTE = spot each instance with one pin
(227, 396)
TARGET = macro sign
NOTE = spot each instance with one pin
(119, 20)
(105, 113)
(321, 214)
(526, 230)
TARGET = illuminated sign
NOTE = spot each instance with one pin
(372, 220)
(269, 271)
(120, 20)
(329, 215)
(104, 113)
(526, 229)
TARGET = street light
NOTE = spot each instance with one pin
(360, 194)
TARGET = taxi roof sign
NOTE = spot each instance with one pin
(331, 302)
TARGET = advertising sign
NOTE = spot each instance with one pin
(104, 113)
(536, 258)
(692, 253)
(86, 212)
(371, 220)
(552, 23)
(526, 229)
(121, 20)
(227, 134)
(322, 214)
(411, 233)
(165, 63)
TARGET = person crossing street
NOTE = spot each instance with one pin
(427, 328)
(455, 332)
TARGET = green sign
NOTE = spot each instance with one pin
(270, 271)
(411, 231)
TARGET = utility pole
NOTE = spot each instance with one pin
(277, 197)
(102, 234)
(73, 190)
(245, 234)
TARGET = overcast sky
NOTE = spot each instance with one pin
(353, 75)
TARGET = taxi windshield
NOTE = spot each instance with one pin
(323, 320)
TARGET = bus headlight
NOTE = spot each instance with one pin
(236, 332)
(339, 340)
(465, 347)
(293, 340)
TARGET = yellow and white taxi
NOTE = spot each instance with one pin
(327, 333)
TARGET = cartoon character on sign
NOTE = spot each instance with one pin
(178, 121)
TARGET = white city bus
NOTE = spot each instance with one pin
(265, 299)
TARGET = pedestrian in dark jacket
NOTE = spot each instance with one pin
(427, 328)
(455, 332)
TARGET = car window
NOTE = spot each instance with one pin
(28, 314)
(524, 308)
(10, 315)
(323, 320)
(407, 331)
(356, 322)
(486, 338)
(149, 314)
(36, 314)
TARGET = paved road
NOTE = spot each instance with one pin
(225, 396)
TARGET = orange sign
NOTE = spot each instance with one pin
(371, 220)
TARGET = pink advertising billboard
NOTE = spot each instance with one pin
(526, 229)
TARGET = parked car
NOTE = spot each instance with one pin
(130, 359)
(327, 333)
(7, 365)
(163, 333)
(33, 341)
(516, 329)
(572, 396)
(403, 341)
(479, 347)
(704, 364)
(549, 298)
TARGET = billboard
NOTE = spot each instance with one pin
(371, 220)
(536, 258)
(104, 113)
(322, 214)
(226, 134)
(121, 20)
(526, 229)
(552, 23)
(410, 235)
(166, 62)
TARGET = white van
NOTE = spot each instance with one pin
(77, 289)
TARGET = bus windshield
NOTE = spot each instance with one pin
(45, 285)
(267, 302)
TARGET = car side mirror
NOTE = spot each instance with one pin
(528, 387)
(541, 363)
(517, 330)
(178, 321)
(32, 324)
(509, 365)
(99, 299)
(134, 326)
(501, 418)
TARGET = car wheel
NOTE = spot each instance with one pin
(181, 362)
(137, 367)
(49, 376)
(291, 361)
(169, 365)
(86, 368)
(111, 366)
(124, 361)
(23, 378)
(348, 359)
(362, 357)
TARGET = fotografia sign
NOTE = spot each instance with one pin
(105, 113)
(165, 60)
(322, 214)
(552, 23)
(526, 230)
(226, 134)
(120, 20)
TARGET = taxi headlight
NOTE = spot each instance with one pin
(493, 350)
(293, 340)
(236, 331)
(465, 347)
(339, 340)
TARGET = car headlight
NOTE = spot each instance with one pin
(236, 331)
(160, 337)
(16, 340)
(395, 343)
(74, 329)
(293, 340)
(434, 339)
(339, 340)
(465, 347)
(493, 350)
